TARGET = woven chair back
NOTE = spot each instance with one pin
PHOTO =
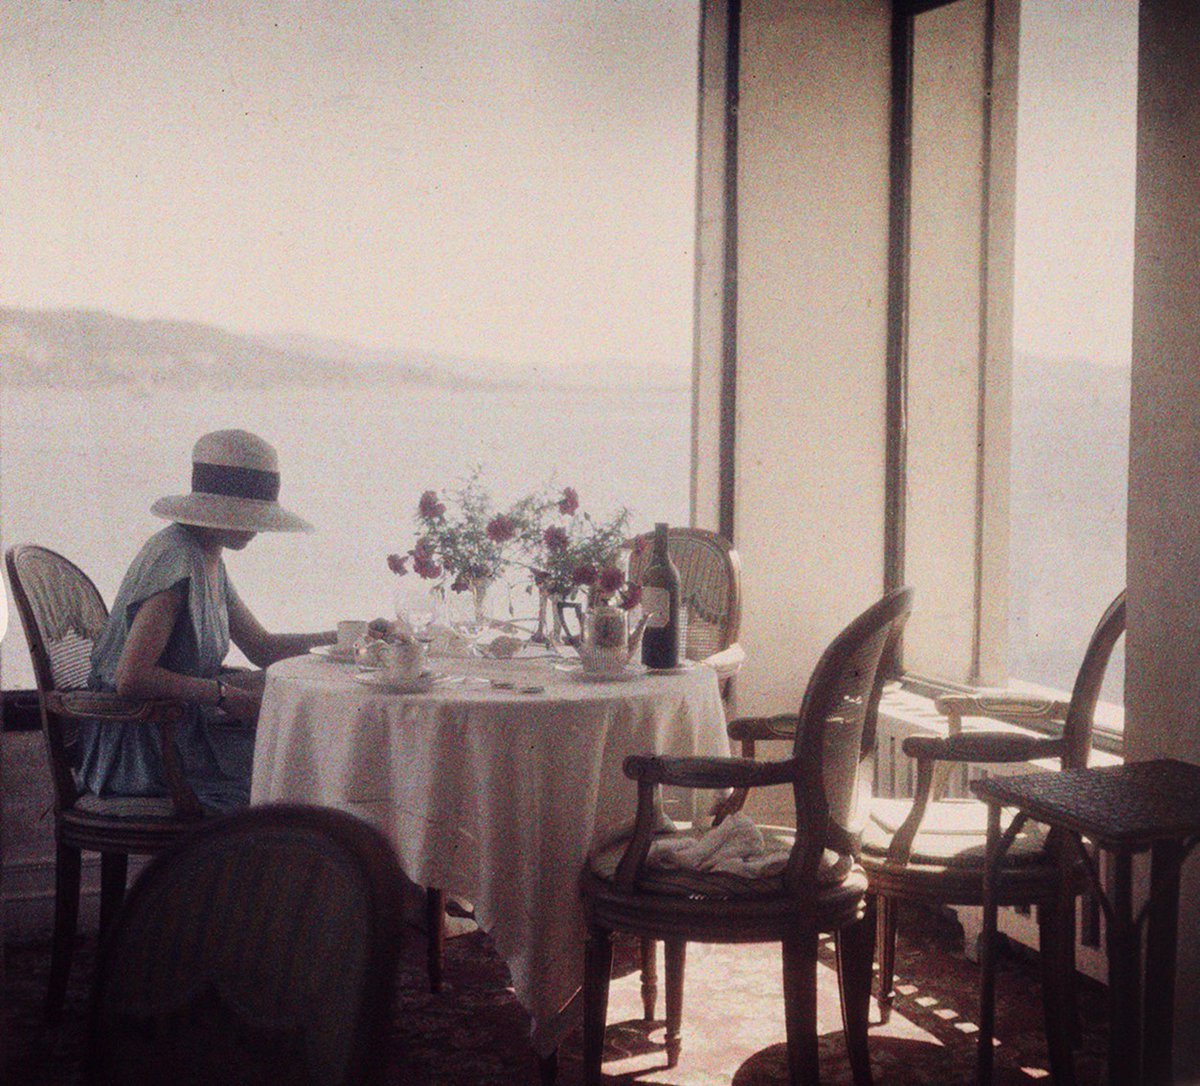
(710, 586)
(62, 614)
(261, 949)
(840, 706)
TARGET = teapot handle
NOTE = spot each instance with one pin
(562, 606)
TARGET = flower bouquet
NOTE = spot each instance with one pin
(464, 543)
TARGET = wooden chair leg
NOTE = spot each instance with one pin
(114, 872)
(597, 969)
(649, 977)
(435, 936)
(675, 958)
(800, 1008)
(1056, 951)
(68, 863)
(885, 939)
(855, 953)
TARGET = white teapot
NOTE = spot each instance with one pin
(607, 644)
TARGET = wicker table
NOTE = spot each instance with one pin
(1123, 810)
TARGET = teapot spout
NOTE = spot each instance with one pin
(635, 635)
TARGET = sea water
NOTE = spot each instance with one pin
(79, 469)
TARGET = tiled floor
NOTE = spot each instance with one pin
(474, 1033)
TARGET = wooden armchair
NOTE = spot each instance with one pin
(261, 950)
(932, 849)
(819, 888)
(62, 614)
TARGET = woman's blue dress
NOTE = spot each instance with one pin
(217, 754)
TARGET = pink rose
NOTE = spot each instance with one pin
(396, 564)
(501, 529)
(569, 502)
(555, 538)
(611, 579)
(429, 507)
(585, 574)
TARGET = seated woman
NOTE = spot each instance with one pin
(171, 625)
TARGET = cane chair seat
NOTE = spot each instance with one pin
(717, 885)
(953, 833)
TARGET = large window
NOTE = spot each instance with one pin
(1017, 336)
(397, 240)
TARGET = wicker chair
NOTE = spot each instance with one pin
(710, 583)
(62, 614)
(261, 951)
(821, 888)
(932, 850)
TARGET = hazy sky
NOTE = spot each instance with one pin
(506, 179)
(503, 179)
(1075, 178)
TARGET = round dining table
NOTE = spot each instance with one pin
(494, 782)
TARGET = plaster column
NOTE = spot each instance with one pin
(1163, 642)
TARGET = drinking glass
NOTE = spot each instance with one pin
(418, 607)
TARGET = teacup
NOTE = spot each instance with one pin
(403, 660)
(349, 632)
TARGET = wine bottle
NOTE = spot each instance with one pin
(660, 604)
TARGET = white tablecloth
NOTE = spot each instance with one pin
(492, 795)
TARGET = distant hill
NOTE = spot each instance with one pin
(89, 347)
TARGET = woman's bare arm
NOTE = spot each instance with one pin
(140, 676)
(263, 648)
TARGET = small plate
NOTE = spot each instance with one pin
(627, 673)
(334, 652)
(420, 685)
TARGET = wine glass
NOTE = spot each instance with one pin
(417, 608)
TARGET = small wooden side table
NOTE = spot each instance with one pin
(1123, 810)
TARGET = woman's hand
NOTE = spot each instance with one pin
(241, 703)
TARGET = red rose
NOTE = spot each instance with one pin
(555, 538)
(461, 583)
(569, 502)
(611, 579)
(429, 507)
(501, 529)
(427, 568)
(631, 597)
(585, 574)
(396, 564)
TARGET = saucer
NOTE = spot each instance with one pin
(420, 685)
(626, 674)
(334, 652)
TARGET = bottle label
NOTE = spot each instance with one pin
(656, 606)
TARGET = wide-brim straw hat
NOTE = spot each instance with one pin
(235, 484)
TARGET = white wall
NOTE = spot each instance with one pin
(812, 290)
(1162, 689)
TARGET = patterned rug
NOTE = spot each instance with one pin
(474, 1033)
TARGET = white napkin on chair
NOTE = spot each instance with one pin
(735, 847)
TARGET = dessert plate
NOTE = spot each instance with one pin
(334, 652)
(420, 685)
